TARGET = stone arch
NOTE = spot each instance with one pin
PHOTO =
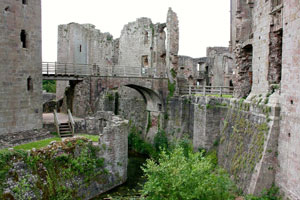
(151, 98)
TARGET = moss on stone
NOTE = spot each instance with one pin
(244, 140)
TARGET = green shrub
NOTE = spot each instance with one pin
(270, 194)
(161, 141)
(177, 177)
(137, 144)
(49, 86)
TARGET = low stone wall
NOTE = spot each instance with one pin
(73, 169)
(13, 139)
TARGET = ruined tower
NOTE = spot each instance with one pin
(172, 44)
(20, 66)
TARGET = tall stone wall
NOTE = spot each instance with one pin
(20, 66)
(288, 176)
(248, 144)
(261, 41)
(208, 115)
(221, 66)
(172, 44)
(83, 44)
(251, 23)
(187, 70)
(136, 46)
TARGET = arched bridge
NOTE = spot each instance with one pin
(153, 89)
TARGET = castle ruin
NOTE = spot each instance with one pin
(256, 130)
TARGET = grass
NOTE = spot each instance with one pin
(38, 144)
(215, 95)
(43, 143)
(94, 138)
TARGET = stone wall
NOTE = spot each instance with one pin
(20, 66)
(208, 115)
(251, 23)
(83, 44)
(288, 176)
(179, 118)
(136, 46)
(187, 70)
(172, 44)
(23, 137)
(248, 144)
(221, 66)
(72, 169)
(213, 70)
(245, 134)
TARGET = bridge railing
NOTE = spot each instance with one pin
(206, 90)
(71, 69)
(68, 69)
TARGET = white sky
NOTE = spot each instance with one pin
(202, 23)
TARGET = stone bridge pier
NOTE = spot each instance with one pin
(83, 97)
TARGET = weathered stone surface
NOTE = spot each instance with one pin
(83, 44)
(209, 112)
(221, 66)
(17, 138)
(172, 44)
(20, 66)
(288, 176)
(112, 147)
(213, 70)
(248, 144)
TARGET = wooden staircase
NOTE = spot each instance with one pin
(64, 129)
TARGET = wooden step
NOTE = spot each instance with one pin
(62, 132)
(66, 135)
(63, 129)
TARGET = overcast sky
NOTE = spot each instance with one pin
(202, 23)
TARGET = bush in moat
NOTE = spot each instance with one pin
(176, 176)
(137, 144)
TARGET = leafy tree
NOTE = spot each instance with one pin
(177, 176)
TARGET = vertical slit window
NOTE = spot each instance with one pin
(29, 84)
(23, 37)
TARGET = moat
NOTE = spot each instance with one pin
(134, 181)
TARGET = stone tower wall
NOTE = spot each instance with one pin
(20, 66)
(288, 176)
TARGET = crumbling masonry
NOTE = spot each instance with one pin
(264, 41)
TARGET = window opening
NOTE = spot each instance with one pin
(198, 67)
(29, 84)
(145, 61)
(23, 36)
